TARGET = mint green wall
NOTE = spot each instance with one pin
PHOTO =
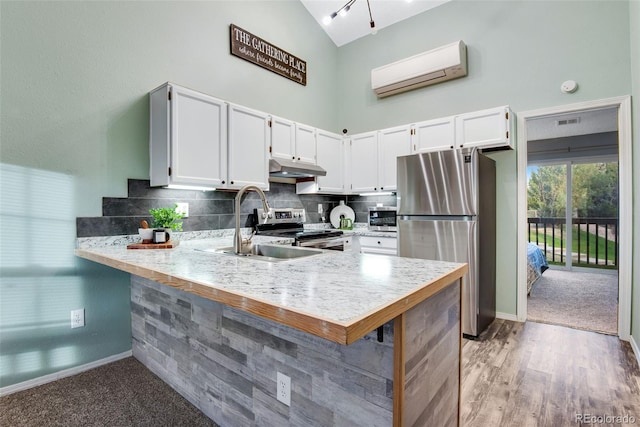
(519, 52)
(74, 120)
(76, 77)
(634, 9)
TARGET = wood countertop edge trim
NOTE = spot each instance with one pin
(341, 333)
(315, 325)
(367, 323)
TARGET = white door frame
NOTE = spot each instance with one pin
(625, 197)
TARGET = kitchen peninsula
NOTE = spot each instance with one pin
(219, 328)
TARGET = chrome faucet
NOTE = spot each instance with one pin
(237, 236)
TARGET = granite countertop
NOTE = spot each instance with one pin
(340, 296)
(367, 232)
(359, 229)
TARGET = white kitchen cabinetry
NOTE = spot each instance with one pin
(350, 242)
(490, 128)
(378, 245)
(290, 140)
(187, 138)
(374, 158)
(392, 143)
(364, 162)
(283, 137)
(248, 150)
(331, 156)
(433, 135)
(305, 144)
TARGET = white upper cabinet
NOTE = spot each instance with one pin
(485, 129)
(295, 141)
(392, 143)
(283, 134)
(331, 156)
(330, 149)
(305, 144)
(248, 152)
(197, 140)
(187, 138)
(433, 135)
(364, 162)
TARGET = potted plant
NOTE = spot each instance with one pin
(166, 218)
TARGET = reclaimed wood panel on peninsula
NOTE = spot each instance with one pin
(225, 362)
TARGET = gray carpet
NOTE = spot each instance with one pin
(122, 393)
(578, 300)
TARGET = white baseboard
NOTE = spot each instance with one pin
(506, 316)
(61, 374)
(636, 349)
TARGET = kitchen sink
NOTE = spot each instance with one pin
(271, 253)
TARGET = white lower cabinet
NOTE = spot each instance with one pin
(378, 245)
(350, 243)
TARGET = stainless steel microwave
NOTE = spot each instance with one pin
(383, 218)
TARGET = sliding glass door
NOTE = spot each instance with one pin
(579, 230)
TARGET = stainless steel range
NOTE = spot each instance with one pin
(289, 222)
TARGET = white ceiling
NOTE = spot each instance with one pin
(345, 29)
(591, 121)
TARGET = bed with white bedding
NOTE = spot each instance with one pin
(536, 265)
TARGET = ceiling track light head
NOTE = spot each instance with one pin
(343, 12)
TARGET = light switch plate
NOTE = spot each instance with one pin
(183, 208)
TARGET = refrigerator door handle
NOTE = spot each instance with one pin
(437, 218)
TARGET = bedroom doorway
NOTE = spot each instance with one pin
(576, 160)
(572, 223)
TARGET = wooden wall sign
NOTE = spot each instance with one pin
(254, 49)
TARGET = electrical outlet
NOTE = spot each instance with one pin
(77, 318)
(284, 389)
(319, 208)
(183, 208)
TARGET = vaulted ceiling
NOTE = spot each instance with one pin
(355, 24)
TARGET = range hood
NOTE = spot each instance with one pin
(286, 168)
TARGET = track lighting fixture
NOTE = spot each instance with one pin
(343, 12)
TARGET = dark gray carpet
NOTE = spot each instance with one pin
(575, 299)
(122, 393)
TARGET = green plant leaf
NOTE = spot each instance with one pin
(166, 218)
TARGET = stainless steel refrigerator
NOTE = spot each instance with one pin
(447, 211)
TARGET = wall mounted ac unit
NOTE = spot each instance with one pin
(426, 68)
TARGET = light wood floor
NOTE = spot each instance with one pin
(534, 374)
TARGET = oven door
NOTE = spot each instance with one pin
(331, 243)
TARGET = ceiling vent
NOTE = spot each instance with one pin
(564, 122)
(434, 66)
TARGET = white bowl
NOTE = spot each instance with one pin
(146, 234)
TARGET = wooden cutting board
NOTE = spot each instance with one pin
(166, 245)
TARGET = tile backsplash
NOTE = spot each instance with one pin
(210, 210)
